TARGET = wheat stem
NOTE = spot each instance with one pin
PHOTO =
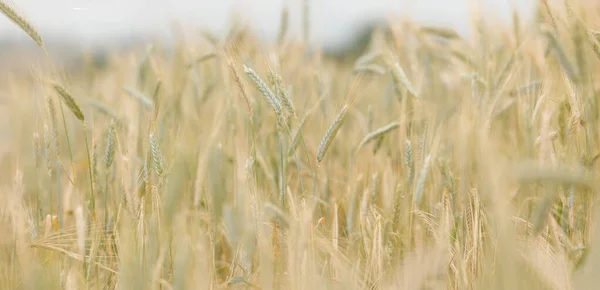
(93, 196)
(418, 196)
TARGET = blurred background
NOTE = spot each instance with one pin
(333, 23)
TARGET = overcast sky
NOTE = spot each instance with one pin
(332, 21)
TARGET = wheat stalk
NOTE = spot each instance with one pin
(52, 111)
(305, 21)
(95, 163)
(370, 118)
(284, 24)
(578, 34)
(296, 137)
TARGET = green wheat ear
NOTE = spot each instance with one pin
(69, 101)
(266, 92)
(331, 132)
(109, 155)
(19, 20)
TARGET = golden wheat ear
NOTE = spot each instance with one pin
(19, 20)
(378, 134)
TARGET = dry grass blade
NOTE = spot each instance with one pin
(529, 172)
(80, 230)
(367, 59)
(103, 108)
(331, 132)
(531, 88)
(558, 49)
(370, 68)
(283, 26)
(147, 102)
(379, 133)
(442, 32)
(462, 56)
(240, 280)
(540, 214)
(69, 101)
(71, 255)
(296, 137)
(367, 64)
(202, 59)
(9, 12)
(506, 71)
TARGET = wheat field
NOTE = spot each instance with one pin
(429, 160)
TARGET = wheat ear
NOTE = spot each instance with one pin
(400, 80)
(109, 154)
(19, 20)
(331, 132)
(277, 82)
(69, 101)
(240, 85)
(264, 90)
(378, 134)
(157, 157)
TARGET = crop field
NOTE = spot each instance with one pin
(425, 160)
